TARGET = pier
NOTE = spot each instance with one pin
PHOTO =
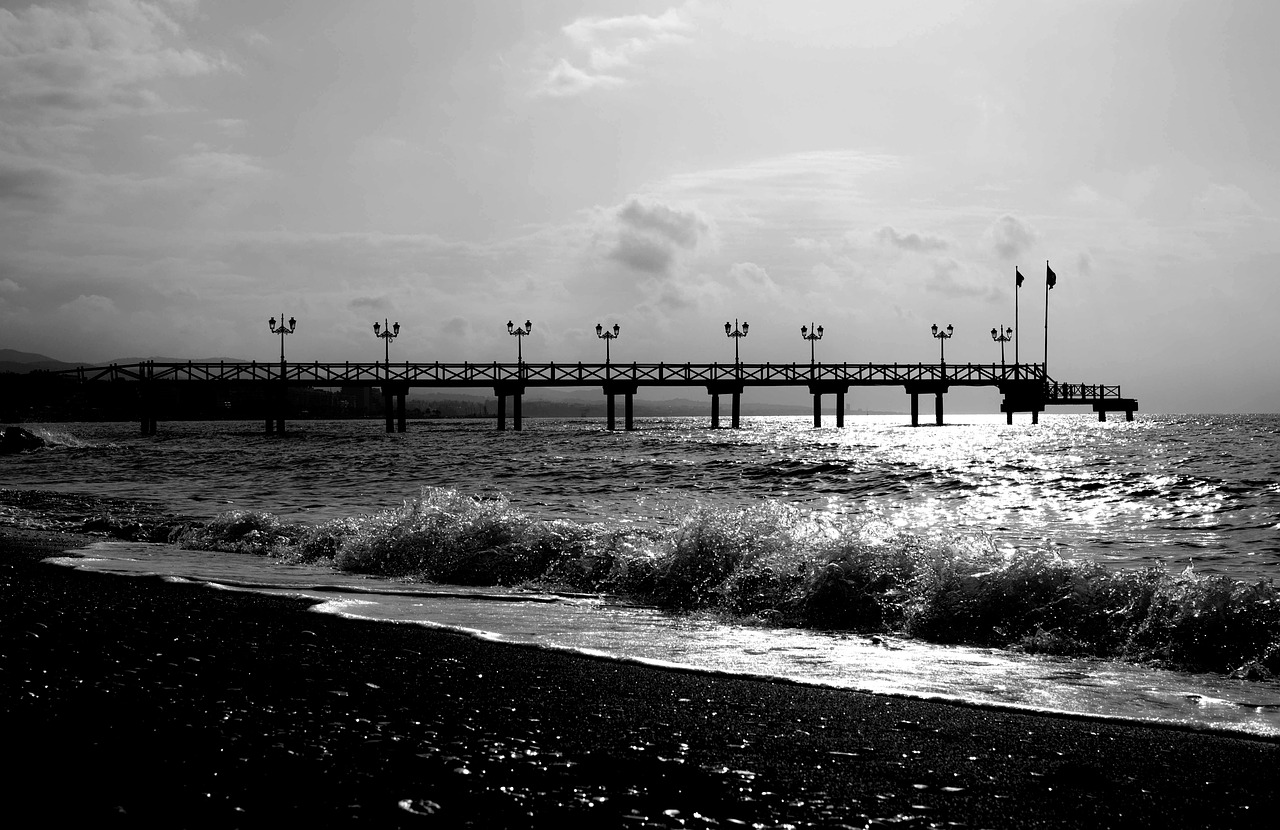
(1026, 387)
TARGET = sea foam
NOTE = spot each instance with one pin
(778, 564)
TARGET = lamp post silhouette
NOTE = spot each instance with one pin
(737, 334)
(387, 335)
(1001, 338)
(282, 330)
(520, 334)
(943, 337)
(812, 336)
(607, 337)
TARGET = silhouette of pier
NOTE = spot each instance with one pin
(1025, 387)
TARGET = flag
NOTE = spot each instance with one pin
(1050, 278)
(1018, 275)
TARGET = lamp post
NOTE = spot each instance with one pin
(282, 330)
(943, 337)
(607, 337)
(812, 336)
(737, 334)
(1001, 338)
(519, 333)
(387, 335)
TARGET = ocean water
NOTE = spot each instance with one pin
(1118, 569)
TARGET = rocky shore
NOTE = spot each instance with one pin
(138, 702)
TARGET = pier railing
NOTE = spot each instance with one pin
(1026, 387)
(592, 374)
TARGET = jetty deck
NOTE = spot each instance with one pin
(1025, 387)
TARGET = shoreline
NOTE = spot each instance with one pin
(139, 701)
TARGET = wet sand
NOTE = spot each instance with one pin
(137, 702)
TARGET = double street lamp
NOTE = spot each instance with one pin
(520, 334)
(943, 337)
(737, 334)
(607, 337)
(812, 337)
(1001, 338)
(387, 335)
(282, 330)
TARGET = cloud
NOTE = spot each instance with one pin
(617, 42)
(651, 235)
(209, 164)
(958, 280)
(1221, 200)
(29, 181)
(369, 303)
(607, 52)
(232, 127)
(1011, 236)
(89, 306)
(457, 327)
(910, 242)
(566, 80)
(83, 62)
(643, 253)
(751, 281)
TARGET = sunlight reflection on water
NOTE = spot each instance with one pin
(1161, 490)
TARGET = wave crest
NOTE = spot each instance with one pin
(778, 564)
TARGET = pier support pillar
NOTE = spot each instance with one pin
(828, 387)
(611, 390)
(915, 390)
(1128, 414)
(147, 398)
(733, 389)
(516, 391)
(393, 405)
(271, 426)
(279, 426)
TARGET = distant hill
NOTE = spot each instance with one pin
(12, 360)
(21, 362)
(14, 356)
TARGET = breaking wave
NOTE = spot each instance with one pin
(777, 564)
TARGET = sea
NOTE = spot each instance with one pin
(1118, 570)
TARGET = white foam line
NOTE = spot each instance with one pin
(650, 662)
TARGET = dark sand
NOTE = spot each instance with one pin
(139, 702)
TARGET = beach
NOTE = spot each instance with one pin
(139, 702)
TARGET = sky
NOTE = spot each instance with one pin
(173, 173)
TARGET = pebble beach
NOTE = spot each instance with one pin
(141, 702)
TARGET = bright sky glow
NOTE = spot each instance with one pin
(174, 172)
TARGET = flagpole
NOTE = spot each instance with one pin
(1046, 320)
(1017, 332)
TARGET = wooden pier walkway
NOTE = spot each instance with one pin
(1025, 387)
